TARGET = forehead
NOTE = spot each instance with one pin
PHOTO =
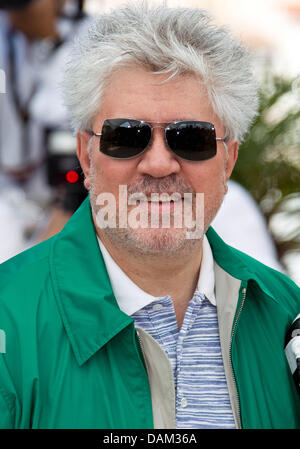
(137, 93)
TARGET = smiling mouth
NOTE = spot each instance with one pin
(160, 205)
(160, 200)
(174, 197)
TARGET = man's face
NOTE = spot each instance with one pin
(136, 93)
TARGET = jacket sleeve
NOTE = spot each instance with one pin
(6, 419)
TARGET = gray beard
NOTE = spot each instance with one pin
(161, 241)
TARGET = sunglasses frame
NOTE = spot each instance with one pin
(165, 127)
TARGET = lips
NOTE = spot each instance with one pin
(161, 199)
(159, 204)
(164, 201)
(154, 197)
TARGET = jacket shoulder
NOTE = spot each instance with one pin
(241, 266)
(25, 272)
(274, 282)
(28, 319)
(264, 271)
(34, 254)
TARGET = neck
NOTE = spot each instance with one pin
(173, 274)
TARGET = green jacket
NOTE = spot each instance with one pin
(71, 359)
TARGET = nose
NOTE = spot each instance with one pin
(158, 161)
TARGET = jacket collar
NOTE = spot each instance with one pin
(81, 285)
(239, 265)
(85, 299)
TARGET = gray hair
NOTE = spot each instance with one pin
(174, 41)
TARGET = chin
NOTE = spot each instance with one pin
(152, 241)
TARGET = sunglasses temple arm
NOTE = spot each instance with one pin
(220, 139)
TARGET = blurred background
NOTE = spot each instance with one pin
(40, 179)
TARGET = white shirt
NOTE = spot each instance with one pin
(194, 351)
(132, 298)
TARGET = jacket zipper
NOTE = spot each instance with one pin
(140, 348)
(244, 291)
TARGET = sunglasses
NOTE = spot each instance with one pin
(124, 138)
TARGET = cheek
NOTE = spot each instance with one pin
(107, 174)
(210, 181)
(207, 178)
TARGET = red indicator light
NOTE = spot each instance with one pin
(72, 176)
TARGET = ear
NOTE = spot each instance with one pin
(83, 138)
(233, 149)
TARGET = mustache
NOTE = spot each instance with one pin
(169, 184)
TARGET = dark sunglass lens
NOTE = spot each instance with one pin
(124, 138)
(191, 140)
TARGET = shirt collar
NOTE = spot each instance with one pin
(206, 282)
(132, 298)
(82, 288)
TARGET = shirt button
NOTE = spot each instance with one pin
(157, 307)
(184, 402)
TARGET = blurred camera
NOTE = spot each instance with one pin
(63, 169)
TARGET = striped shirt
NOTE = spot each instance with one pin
(194, 351)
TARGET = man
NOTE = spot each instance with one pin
(34, 38)
(126, 319)
(29, 36)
